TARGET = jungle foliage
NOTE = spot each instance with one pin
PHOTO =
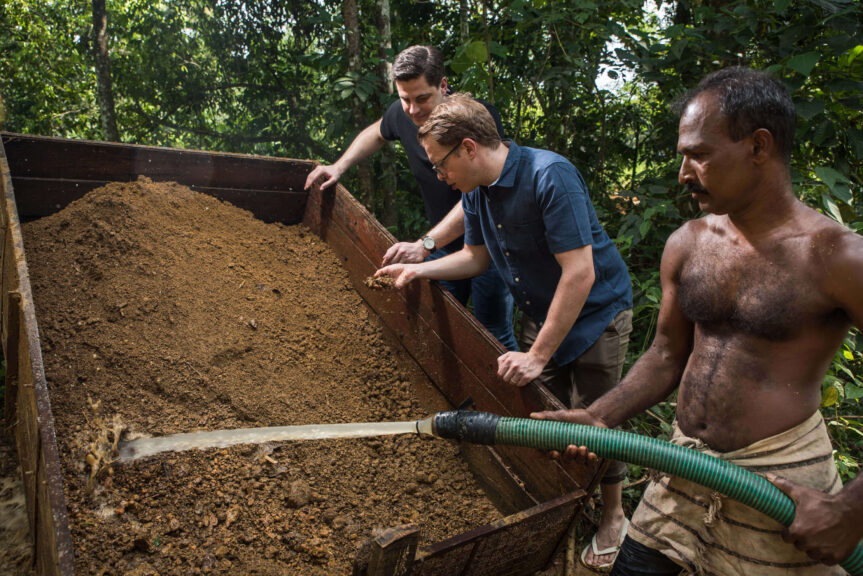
(588, 79)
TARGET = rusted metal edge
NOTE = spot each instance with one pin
(46, 450)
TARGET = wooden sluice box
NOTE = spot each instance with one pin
(42, 175)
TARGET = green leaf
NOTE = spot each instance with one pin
(855, 138)
(804, 63)
(853, 392)
(782, 5)
(810, 108)
(829, 397)
(831, 207)
(854, 53)
(830, 176)
(476, 51)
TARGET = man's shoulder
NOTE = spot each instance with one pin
(393, 121)
(394, 109)
(831, 240)
(488, 105)
(682, 241)
(544, 159)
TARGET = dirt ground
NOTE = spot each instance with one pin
(16, 551)
(162, 311)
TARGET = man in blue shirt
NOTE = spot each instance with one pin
(528, 212)
(419, 76)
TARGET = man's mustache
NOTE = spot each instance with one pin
(694, 188)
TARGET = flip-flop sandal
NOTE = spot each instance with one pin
(604, 568)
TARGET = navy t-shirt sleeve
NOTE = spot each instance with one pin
(562, 197)
(389, 122)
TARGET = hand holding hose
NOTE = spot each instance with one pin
(578, 454)
(822, 523)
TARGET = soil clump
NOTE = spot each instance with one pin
(162, 310)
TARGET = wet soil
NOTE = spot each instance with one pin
(16, 550)
(162, 310)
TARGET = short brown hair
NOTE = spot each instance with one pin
(416, 61)
(459, 117)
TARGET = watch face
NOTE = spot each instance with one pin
(428, 243)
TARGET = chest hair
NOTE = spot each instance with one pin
(738, 289)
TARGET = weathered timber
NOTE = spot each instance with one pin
(43, 196)
(44, 157)
(519, 544)
(391, 553)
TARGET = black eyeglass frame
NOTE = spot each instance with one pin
(437, 167)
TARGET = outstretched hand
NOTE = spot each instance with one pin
(822, 527)
(404, 253)
(579, 454)
(403, 274)
(322, 177)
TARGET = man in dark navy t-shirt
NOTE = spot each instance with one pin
(418, 74)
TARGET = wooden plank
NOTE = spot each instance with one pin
(44, 157)
(500, 484)
(27, 429)
(52, 529)
(11, 333)
(37, 197)
(390, 553)
(519, 544)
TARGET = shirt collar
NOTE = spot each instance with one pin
(510, 167)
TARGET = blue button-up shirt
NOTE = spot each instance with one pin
(539, 207)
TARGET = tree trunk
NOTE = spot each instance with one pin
(105, 93)
(463, 27)
(488, 52)
(389, 211)
(350, 13)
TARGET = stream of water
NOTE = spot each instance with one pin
(143, 447)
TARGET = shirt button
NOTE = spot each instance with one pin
(500, 225)
(540, 323)
(518, 279)
(528, 302)
(507, 254)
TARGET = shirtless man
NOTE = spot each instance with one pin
(757, 296)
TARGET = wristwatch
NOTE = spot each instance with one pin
(428, 243)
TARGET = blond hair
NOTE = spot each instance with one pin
(459, 117)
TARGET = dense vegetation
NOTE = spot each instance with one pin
(591, 80)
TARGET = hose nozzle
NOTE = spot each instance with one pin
(473, 427)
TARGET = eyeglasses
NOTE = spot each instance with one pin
(438, 167)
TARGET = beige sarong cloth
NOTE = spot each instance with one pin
(710, 534)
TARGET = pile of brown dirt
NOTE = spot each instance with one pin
(168, 311)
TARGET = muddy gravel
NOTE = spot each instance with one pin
(162, 310)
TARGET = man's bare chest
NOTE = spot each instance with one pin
(768, 294)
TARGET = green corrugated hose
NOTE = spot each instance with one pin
(724, 477)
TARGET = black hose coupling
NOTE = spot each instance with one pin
(473, 427)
